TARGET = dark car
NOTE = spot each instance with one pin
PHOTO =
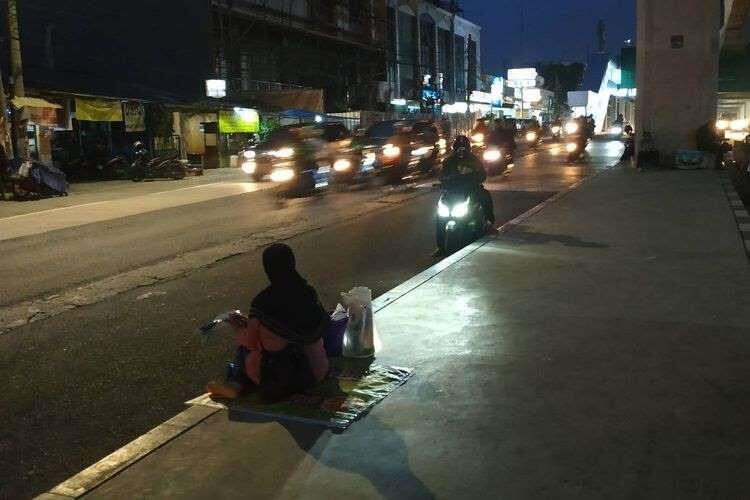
(394, 148)
(323, 143)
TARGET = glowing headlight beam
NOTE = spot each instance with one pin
(249, 167)
(492, 155)
(571, 128)
(342, 165)
(461, 209)
(282, 175)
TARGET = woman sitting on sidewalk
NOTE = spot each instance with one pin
(280, 345)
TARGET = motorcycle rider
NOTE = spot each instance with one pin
(462, 170)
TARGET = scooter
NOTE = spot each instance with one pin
(532, 139)
(301, 181)
(497, 160)
(576, 147)
(460, 220)
(160, 167)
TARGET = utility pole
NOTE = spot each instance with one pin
(16, 65)
(18, 130)
(5, 141)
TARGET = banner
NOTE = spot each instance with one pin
(97, 110)
(241, 120)
(135, 116)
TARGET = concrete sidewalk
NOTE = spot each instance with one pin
(598, 349)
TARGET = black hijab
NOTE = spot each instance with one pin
(288, 306)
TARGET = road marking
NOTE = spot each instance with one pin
(66, 217)
(210, 184)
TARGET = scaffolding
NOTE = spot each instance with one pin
(340, 46)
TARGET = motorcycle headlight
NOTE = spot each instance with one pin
(283, 153)
(615, 130)
(248, 154)
(492, 155)
(531, 136)
(722, 124)
(249, 167)
(342, 165)
(556, 129)
(571, 128)
(572, 147)
(421, 151)
(391, 151)
(461, 209)
(478, 138)
(282, 175)
(443, 210)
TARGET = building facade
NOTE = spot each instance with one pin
(337, 46)
(429, 44)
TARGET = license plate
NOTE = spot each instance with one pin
(319, 185)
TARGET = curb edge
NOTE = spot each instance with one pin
(738, 209)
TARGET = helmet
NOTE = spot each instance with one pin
(461, 145)
(138, 145)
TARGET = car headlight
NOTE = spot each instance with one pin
(556, 129)
(342, 165)
(248, 154)
(492, 155)
(478, 138)
(443, 210)
(531, 136)
(461, 209)
(283, 153)
(572, 147)
(391, 151)
(249, 167)
(571, 128)
(282, 175)
(423, 151)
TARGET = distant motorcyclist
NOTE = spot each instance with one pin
(463, 170)
(481, 132)
(504, 135)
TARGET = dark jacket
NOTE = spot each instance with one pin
(463, 171)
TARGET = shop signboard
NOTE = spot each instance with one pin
(238, 121)
(98, 110)
(135, 116)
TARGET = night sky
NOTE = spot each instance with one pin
(555, 30)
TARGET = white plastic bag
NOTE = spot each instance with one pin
(359, 338)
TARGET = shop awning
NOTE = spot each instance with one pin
(33, 102)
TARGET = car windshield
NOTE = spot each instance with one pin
(281, 136)
(381, 130)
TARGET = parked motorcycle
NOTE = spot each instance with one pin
(460, 220)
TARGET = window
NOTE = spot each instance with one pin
(460, 56)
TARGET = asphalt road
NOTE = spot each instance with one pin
(80, 384)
